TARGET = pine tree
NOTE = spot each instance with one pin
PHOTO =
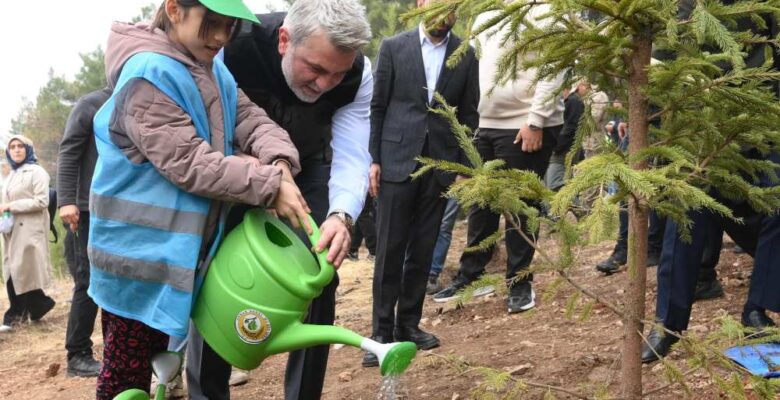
(709, 107)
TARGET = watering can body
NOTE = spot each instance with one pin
(257, 292)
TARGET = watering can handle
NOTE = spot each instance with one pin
(326, 268)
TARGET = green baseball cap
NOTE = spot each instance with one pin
(231, 8)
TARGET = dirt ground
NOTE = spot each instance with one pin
(541, 345)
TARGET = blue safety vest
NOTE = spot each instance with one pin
(145, 233)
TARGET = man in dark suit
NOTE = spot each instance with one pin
(410, 68)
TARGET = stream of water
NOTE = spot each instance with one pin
(390, 389)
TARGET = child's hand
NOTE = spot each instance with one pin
(290, 204)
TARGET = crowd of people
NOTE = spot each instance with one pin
(211, 110)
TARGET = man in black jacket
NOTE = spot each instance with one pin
(75, 165)
(410, 68)
(306, 70)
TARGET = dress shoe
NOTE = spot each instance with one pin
(370, 359)
(613, 263)
(658, 344)
(709, 289)
(757, 320)
(423, 340)
(84, 366)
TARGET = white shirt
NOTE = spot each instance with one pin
(348, 182)
(433, 58)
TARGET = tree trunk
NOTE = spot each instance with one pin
(631, 366)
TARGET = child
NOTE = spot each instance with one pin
(165, 140)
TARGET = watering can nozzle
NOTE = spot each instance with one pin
(394, 358)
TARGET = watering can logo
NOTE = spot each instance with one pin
(252, 326)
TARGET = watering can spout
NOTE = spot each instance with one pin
(393, 358)
(300, 336)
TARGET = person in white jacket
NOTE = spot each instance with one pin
(518, 123)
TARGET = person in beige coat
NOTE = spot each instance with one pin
(26, 248)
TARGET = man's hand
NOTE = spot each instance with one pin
(529, 139)
(374, 175)
(289, 203)
(70, 215)
(336, 238)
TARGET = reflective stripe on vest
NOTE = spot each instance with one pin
(145, 233)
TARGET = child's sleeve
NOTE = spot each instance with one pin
(150, 127)
(258, 135)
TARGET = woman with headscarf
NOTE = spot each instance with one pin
(26, 248)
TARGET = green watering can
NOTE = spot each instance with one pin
(257, 292)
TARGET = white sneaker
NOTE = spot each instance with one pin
(238, 377)
(6, 328)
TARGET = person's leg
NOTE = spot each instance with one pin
(16, 311)
(655, 238)
(128, 349)
(445, 237)
(83, 310)
(481, 223)
(763, 293)
(395, 208)
(207, 373)
(305, 373)
(679, 270)
(428, 211)
(369, 226)
(520, 253)
(707, 285)
(37, 304)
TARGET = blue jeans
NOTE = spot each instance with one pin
(445, 237)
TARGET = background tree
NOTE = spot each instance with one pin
(709, 108)
(43, 120)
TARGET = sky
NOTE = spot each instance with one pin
(50, 34)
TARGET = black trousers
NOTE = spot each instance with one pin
(499, 144)
(208, 374)
(409, 215)
(680, 261)
(83, 310)
(655, 233)
(33, 305)
(365, 227)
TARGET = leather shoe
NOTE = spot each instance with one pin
(423, 340)
(757, 320)
(612, 264)
(83, 365)
(658, 344)
(370, 359)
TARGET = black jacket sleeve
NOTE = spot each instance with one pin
(75, 145)
(383, 80)
(467, 107)
(571, 119)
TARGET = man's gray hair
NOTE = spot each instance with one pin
(343, 22)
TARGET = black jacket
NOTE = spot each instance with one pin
(401, 123)
(574, 107)
(78, 154)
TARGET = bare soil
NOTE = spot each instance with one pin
(541, 345)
